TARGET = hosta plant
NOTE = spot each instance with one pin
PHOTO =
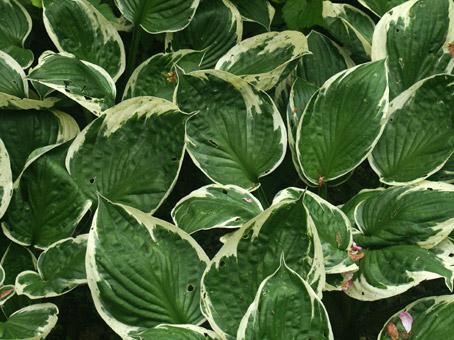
(226, 169)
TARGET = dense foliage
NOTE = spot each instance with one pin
(226, 169)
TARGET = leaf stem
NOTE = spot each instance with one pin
(262, 197)
(323, 191)
(133, 49)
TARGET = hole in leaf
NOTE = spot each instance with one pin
(430, 189)
(92, 180)
(190, 288)
(224, 191)
(174, 159)
(212, 142)
(451, 255)
(221, 264)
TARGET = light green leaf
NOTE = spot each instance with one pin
(158, 16)
(410, 59)
(87, 84)
(352, 28)
(14, 30)
(175, 332)
(342, 123)
(12, 77)
(326, 59)
(266, 58)
(25, 131)
(333, 228)
(285, 307)
(30, 323)
(393, 270)
(156, 76)
(6, 180)
(433, 318)
(349, 207)
(142, 271)
(47, 203)
(61, 268)
(422, 214)
(215, 206)
(216, 27)
(259, 11)
(237, 134)
(380, 7)
(419, 136)
(252, 253)
(302, 14)
(132, 154)
(76, 26)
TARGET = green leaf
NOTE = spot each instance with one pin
(85, 83)
(156, 76)
(175, 332)
(259, 11)
(266, 58)
(12, 77)
(216, 27)
(61, 268)
(342, 123)
(349, 207)
(23, 132)
(142, 271)
(419, 136)
(446, 174)
(215, 206)
(29, 323)
(390, 271)
(78, 28)
(6, 179)
(411, 59)
(380, 7)
(326, 59)
(302, 14)
(333, 228)
(14, 30)
(237, 135)
(158, 16)
(47, 203)
(10, 102)
(432, 318)
(352, 28)
(6, 293)
(422, 214)
(252, 253)
(285, 307)
(132, 154)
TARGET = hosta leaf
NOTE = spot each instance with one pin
(25, 131)
(422, 214)
(6, 179)
(340, 125)
(380, 7)
(15, 26)
(393, 270)
(252, 253)
(157, 16)
(216, 27)
(432, 318)
(61, 268)
(333, 228)
(142, 271)
(12, 77)
(156, 76)
(75, 26)
(215, 206)
(419, 136)
(326, 59)
(259, 11)
(265, 58)
(301, 14)
(285, 307)
(175, 332)
(30, 323)
(352, 28)
(86, 83)
(237, 135)
(6, 293)
(132, 154)
(47, 203)
(446, 174)
(10, 102)
(414, 37)
(349, 207)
